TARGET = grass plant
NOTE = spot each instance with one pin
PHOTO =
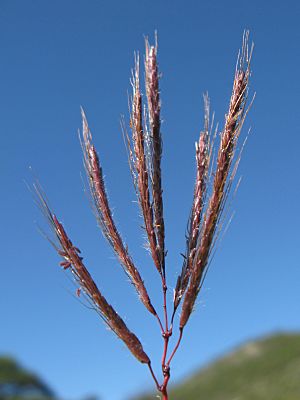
(213, 184)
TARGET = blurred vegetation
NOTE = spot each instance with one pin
(264, 369)
(267, 369)
(16, 383)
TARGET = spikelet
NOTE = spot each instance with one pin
(202, 164)
(139, 165)
(153, 100)
(104, 215)
(73, 261)
(222, 178)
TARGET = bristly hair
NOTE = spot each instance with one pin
(104, 214)
(138, 163)
(145, 151)
(73, 261)
(203, 156)
(154, 120)
(222, 178)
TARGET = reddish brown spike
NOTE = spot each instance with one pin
(140, 166)
(153, 98)
(202, 164)
(86, 282)
(107, 224)
(232, 128)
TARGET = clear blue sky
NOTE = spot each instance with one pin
(58, 55)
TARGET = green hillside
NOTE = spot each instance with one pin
(267, 369)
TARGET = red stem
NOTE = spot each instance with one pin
(154, 377)
(164, 386)
(160, 324)
(172, 318)
(164, 356)
(164, 285)
(166, 333)
(175, 348)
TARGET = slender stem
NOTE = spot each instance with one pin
(154, 377)
(167, 333)
(160, 324)
(164, 285)
(164, 386)
(175, 348)
(164, 356)
(172, 318)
